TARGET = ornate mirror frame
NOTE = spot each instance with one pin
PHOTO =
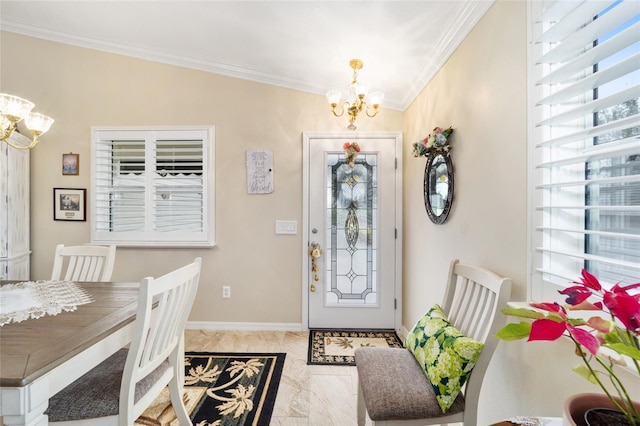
(438, 186)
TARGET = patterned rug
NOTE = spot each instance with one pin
(336, 347)
(223, 389)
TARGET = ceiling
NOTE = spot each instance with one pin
(303, 45)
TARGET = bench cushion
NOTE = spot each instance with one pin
(395, 387)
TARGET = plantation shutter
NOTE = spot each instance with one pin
(179, 188)
(586, 143)
(151, 187)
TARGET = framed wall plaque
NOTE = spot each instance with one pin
(70, 164)
(70, 204)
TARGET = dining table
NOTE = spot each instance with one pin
(43, 353)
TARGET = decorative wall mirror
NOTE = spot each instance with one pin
(438, 186)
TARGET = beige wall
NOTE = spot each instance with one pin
(481, 92)
(81, 88)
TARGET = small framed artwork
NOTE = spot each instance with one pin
(69, 204)
(70, 164)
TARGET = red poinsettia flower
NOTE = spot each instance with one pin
(552, 329)
(552, 321)
(590, 281)
(624, 306)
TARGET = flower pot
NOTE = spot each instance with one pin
(578, 405)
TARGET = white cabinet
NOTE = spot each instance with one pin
(14, 210)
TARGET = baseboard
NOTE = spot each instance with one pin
(402, 333)
(244, 326)
(259, 326)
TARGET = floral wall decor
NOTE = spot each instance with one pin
(351, 150)
(438, 141)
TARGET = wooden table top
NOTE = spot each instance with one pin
(32, 348)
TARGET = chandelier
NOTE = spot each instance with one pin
(12, 110)
(358, 100)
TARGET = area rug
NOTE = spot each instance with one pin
(223, 389)
(336, 347)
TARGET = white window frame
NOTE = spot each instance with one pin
(150, 237)
(543, 284)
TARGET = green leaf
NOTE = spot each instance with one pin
(582, 370)
(514, 331)
(623, 349)
(522, 313)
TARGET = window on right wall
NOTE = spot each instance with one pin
(584, 93)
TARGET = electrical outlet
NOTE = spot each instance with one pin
(226, 292)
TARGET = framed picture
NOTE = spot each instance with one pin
(69, 204)
(70, 164)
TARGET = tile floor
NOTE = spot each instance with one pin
(309, 395)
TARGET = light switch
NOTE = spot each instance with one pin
(286, 227)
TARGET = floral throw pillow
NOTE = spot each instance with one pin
(444, 353)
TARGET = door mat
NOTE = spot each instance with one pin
(336, 346)
(223, 389)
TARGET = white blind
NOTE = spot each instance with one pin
(151, 187)
(586, 142)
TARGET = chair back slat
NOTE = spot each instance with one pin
(164, 307)
(83, 263)
(472, 301)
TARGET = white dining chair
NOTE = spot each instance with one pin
(118, 390)
(83, 263)
(393, 387)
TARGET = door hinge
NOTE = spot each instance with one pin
(395, 233)
(395, 304)
(396, 163)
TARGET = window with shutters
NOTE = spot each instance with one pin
(585, 142)
(153, 187)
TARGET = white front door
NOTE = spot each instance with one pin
(352, 216)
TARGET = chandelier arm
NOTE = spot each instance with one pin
(333, 110)
(31, 145)
(376, 110)
(6, 133)
(345, 106)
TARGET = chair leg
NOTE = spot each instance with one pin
(175, 391)
(362, 408)
(176, 384)
(180, 366)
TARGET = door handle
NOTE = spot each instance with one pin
(315, 252)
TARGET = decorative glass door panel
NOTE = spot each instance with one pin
(351, 273)
(350, 276)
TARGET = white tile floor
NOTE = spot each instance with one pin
(309, 395)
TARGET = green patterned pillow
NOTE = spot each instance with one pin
(444, 353)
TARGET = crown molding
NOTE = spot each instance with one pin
(467, 18)
(469, 15)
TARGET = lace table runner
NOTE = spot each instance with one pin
(536, 421)
(35, 299)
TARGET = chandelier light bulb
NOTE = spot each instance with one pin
(39, 123)
(333, 96)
